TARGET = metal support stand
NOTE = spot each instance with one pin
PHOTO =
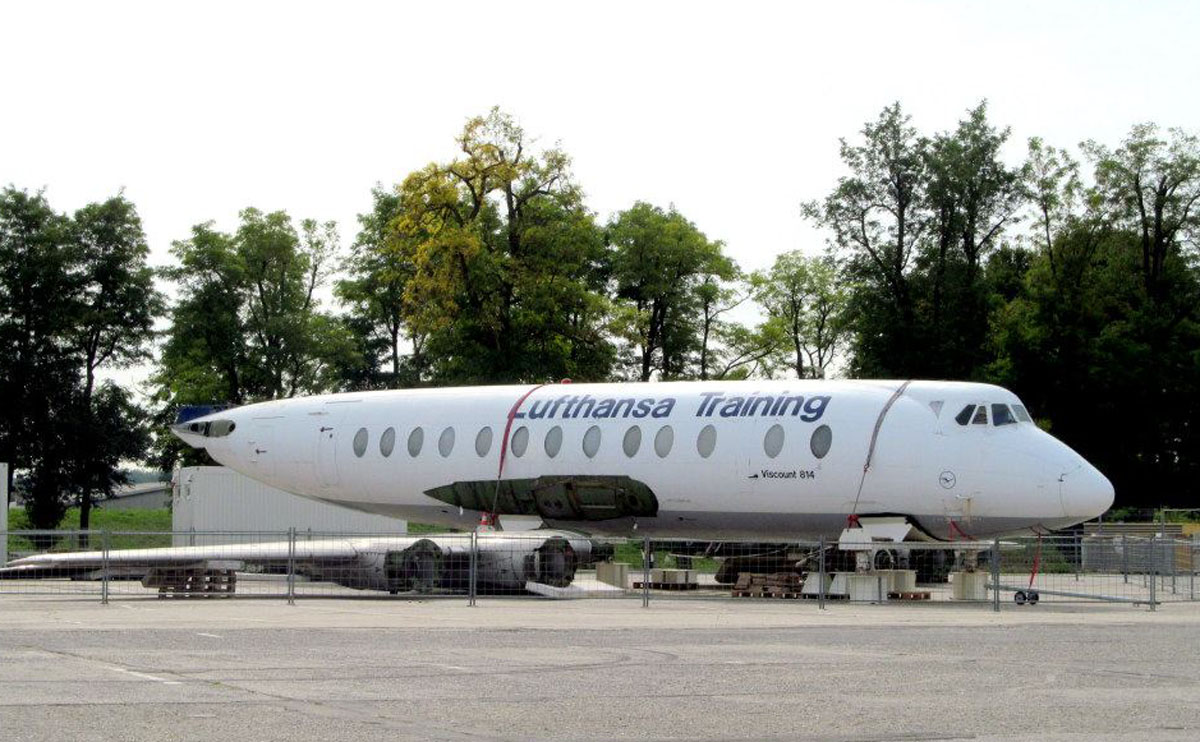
(996, 576)
(104, 574)
(291, 575)
(645, 571)
(474, 563)
(821, 574)
(1153, 572)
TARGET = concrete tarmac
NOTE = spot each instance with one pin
(244, 670)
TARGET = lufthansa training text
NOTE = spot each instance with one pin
(569, 407)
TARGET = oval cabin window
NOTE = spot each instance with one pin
(446, 442)
(520, 441)
(416, 439)
(360, 442)
(663, 441)
(483, 441)
(591, 441)
(632, 441)
(822, 439)
(553, 442)
(706, 442)
(387, 442)
(773, 441)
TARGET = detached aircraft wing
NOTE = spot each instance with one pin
(391, 563)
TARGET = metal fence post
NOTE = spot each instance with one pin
(821, 573)
(645, 571)
(996, 576)
(291, 575)
(1153, 572)
(1192, 569)
(474, 562)
(1125, 558)
(104, 574)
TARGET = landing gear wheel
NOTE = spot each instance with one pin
(1019, 597)
(1033, 596)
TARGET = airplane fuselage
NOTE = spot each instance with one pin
(705, 460)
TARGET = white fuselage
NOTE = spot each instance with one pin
(751, 459)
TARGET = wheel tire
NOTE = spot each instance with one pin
(1019, 597)
(1033, 597)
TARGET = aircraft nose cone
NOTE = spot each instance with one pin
(1087, 493)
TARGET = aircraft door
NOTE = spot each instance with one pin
(259, 450)
(327, 471)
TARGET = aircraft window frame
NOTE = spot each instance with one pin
(553, 441)
(359, 444)
(1022, 413)
(981, 415)
(387, 442)
(416, 441)
(773, 440)
(520, 441)
(706, 441)
(483, 441)
(964, 416)
(1002, 415)
(631, 442)
(591, 441)
(446, 442)
(664, 441)
(821, 441)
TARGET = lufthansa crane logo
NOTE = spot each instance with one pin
(947, 479)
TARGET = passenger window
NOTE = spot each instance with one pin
(483, 441)
(964, 417)
(822, 439)
(1001, 415)
(520, 441)
(446, 442)
(632, 441)
(387, 442)
(663, 441)
(980, 416)
(416, 439)
(591, 441)
(1022, 413)
(360, 442)
(773, 441)
(553, 442)
(706, 441)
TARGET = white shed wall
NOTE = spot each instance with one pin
(213, 498)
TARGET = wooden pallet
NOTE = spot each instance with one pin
(677, 586)
(910, 595)
(767, 594)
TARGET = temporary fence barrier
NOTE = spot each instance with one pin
(1144, 571)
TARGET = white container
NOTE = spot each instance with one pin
(213, 498)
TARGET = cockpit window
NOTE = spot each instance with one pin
(964, 417)
(1022, 414)
(1001, 415)
(980, 415)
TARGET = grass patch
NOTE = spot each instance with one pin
(135, 519)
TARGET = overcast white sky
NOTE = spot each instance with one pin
(732, 112)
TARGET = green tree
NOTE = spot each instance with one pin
(507, 265)
(75, 294)
(118, 304)
(804, 299)
(877, 216)
(670, 277)
(248, 326)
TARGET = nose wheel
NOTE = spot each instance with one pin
(1021, 597)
